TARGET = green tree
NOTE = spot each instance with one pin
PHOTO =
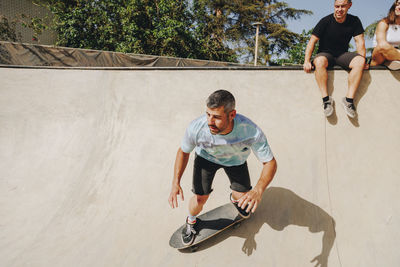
(295, 54)
(204, 29)
(159, 27)
(369, 34)
(228, 24)
(210, 32)
(370, 30)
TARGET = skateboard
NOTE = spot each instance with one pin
(209, 224)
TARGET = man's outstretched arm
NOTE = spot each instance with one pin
(253, 197)
(181, 161)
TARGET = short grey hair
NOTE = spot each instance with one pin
(221, 98)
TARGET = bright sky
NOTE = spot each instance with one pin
(368, 11)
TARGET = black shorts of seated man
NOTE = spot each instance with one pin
(222, 139)
(334, 33)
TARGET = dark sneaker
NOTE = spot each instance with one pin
(349, 108)
(188, 233)
(328, 107)
(242, 212)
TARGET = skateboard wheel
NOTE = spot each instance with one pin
(194, 248)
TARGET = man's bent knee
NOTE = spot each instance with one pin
(357, 62)
(321, 62)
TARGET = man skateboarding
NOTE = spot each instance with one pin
(221, 139)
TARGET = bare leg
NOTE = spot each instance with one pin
(321, 74)
(196, 204)
(377, 58)
(384, 52)
(390, 53)
(355, 75)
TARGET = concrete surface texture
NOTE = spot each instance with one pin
(86, 164)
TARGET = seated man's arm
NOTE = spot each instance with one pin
(360, 44)
(307, 66)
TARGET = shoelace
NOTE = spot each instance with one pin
(190, 229)
(350, 106)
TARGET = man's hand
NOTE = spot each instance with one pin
(307, 66)
(252, 199)
(173, 196)
(181, 161)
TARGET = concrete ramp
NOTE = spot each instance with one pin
(86, 164)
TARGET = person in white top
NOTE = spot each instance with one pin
(222, 139)
(387, 40)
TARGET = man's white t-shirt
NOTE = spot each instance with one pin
(231, 149)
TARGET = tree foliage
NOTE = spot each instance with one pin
(369, 33)
(296, 53)
(203, 29)
(158, 27)
(230, 25)
(370, 29)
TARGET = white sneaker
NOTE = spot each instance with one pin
(349, 108)
(328, 107)
(393, 65)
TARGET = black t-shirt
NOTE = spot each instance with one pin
(334, 37)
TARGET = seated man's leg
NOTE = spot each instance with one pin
(355, 63)
(321, 62)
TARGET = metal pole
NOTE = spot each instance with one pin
(256, 47)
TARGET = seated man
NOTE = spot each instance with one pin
(387, 39)
(334, 33)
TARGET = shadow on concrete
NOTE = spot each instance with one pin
(333, 119)
(362, 90)
(396, 74)
(280, 208)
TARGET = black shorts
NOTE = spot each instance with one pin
(342, 60)
(204, 172)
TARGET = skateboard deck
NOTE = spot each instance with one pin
(209, 224)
